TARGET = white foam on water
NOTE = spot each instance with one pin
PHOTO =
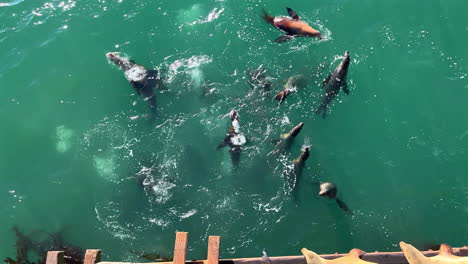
(105, 166)
(238, 140)
(188, 214)
(186, 16)
(192, 64)
(136, 73)
(64, 137)
(161, 190)
(108, 216)
(214, 14)
(197, 76)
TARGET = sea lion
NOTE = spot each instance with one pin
(234, 138)
(257, 79)
(292, 84)
(284, 143)
(328, 189)
(143, 80)
(294, 174)
(333, 83)
(305, 153)
(293, 26)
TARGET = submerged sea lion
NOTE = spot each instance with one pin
(257, 79)
(144, 81)
(292, 84)
(234, 138)
(293, 27)
(284, 143)
(333, 83)
(328, 189)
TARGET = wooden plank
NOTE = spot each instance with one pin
(180, 247)
(213, 250)
(92, 256)
(54, 257)
(379, 257)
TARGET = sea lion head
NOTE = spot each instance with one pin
(328, 189)
(123, 63)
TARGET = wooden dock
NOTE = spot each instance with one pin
(93, 256)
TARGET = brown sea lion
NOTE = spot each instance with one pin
(293, 26)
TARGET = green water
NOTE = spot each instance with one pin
(75, 137)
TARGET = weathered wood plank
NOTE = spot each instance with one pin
(379, 257)
(213, 250)
(180, 247)
(92, 256)
(54, 257)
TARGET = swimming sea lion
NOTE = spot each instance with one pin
(144, 81)
(286, 139)
(257, 79)
(292, 84)
(234, 138)
(299, 162)
(333, 83)
(293, 27)
(294, 175)
(328, 189)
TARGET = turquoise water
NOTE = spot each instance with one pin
(76, 139)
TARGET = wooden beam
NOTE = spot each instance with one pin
(213, 250)
(54, 257)
(180, 247)
(379, 257)
(92, 256)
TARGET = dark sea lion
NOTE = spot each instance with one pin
(234, 138)
(258, 79)
(328, 189)
(333, 83)
(297, 167)
(293, 27)
(143, 80)
(284, 143)
(292, 84)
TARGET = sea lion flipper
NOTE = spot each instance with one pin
(292, 14)
(343, 206)
(225, 142)
(280, 96)
(283, 38)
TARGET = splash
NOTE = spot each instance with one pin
(197, 77)
(193, 64)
